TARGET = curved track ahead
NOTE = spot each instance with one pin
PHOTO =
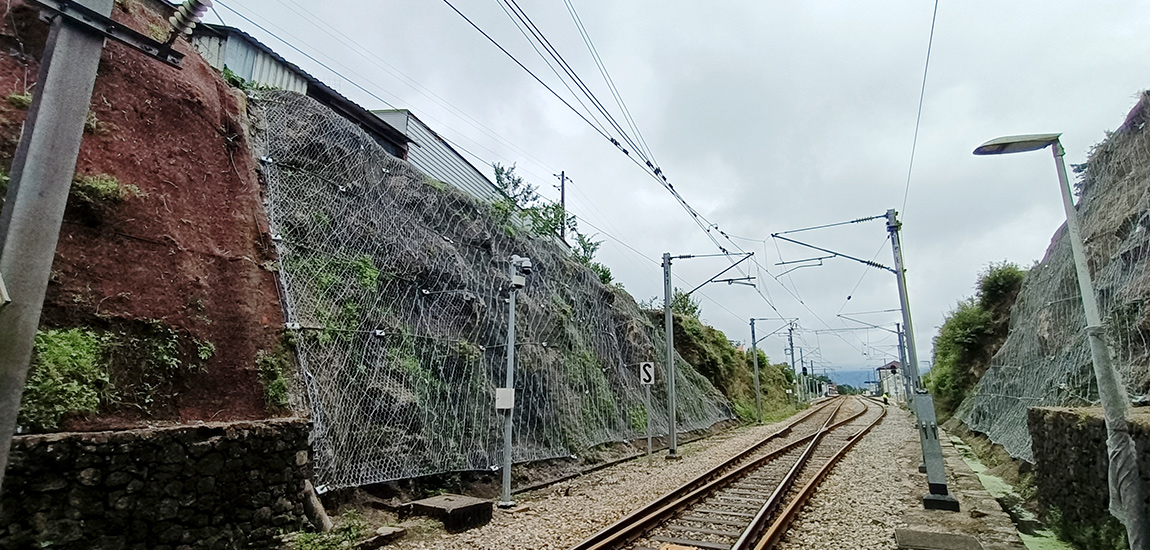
(748, 501)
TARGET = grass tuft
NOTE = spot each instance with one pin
(68, 375)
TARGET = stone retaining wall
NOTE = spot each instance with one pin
(1070, 459)
(215, 485)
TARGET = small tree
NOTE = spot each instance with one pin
(683, 304)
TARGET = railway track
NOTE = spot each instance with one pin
(749, 501)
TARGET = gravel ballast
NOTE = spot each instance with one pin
(875, 489)
(568, 512)
(860, 502)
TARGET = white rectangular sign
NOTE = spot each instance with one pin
(504, 399)
(647, 373)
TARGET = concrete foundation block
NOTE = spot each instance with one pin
(457, 512)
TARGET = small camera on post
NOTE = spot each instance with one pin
(522, 270)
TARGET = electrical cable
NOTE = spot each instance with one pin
(921, 96)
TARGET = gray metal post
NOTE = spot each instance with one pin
(892, 226)
(647, 408)
(758, 389)
(1127, 495)
(803, 377)
(509, 382)
(669, 326)
(938, 497)
(41, 175)
(908, 387)
(795, 371)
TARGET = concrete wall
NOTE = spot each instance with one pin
(217, 485)
(1069, 448)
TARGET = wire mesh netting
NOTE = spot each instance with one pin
(398, 284)
(1045, 360)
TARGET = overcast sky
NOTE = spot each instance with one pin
(766, 116)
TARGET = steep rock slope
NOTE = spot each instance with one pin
(160, 253)
(398, 286)
(1045, 360)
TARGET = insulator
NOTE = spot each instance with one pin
(186, 16)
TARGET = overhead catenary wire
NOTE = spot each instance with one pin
(706, 225)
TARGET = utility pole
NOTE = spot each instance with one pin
(938, 498)
(791, 345)
(563, 179)
(906, 383)
(892, 227)
(517, 269)
(755, 359)
(669, 327)
(42, 171)
(803, 374)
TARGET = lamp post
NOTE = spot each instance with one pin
(1126, 491)
(517, 271)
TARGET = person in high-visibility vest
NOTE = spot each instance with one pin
(884, 401)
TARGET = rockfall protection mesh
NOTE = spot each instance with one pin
(1045, 360)
(398, 284)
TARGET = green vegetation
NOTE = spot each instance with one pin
(584, 253)
(236, 81)
(273, 369)
(103, 188)
(434, 183)
(134, 364)
(205, 350)
(68, 375)
(20, 100)
(970, 335)
(352, 527)
(545, 219)
(1107, 535)
(729, 368)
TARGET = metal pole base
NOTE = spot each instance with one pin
(931, 501)
(506, 504)
(673, 456)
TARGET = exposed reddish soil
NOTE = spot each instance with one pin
(188, 252)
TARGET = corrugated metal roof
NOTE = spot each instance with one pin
(393, 140)
(438, 159)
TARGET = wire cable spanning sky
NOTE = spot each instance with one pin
(769, 116)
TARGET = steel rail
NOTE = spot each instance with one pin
(752, 531)
(778, 527)
(634, 525)
(610, 531)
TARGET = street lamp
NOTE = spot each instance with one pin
(517, 271)
(1126, 492)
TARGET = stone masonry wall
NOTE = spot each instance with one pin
(214, 485)
(1070, 459)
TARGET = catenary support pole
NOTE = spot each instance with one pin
(906, 383)
(669, 326)
(1127, 493)
(509, 383)
(795, 371)
(758, 389)
(803, 375)
(938, 497)
(41, 175)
